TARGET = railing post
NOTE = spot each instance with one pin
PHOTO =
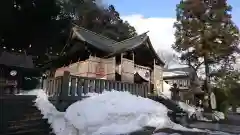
(44, 84)
(65, 85)
(63, 96)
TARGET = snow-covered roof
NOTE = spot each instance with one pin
(174, 73)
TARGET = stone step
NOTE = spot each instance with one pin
(15, 102)
(11, 98)
(31, 119)
(18, 112)
(21, 117)
(18, 102)
(30, 132)
(27, 125)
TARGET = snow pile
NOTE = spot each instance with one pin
(217, 116)
(117, 113)
(55, 118)
(189, 109)
(108, 113)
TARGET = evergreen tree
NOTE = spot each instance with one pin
(99, 18)
(205, 33)
(227, 82)
(41, 27)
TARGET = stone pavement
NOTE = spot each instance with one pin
(234, 129)
(226, 127)
(231, 125)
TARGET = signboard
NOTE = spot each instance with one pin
(8, 82)
(11, 82)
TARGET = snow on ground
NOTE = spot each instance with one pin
(192, 110)
(90, 94)
(218, 116)
(198, 112)
(189, 109)
(32, 92)
(237, 109)
(107, 113)
(55, 118)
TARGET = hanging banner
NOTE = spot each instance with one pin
(144, 73)
(213, 101)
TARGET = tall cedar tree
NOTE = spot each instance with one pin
(205, 31)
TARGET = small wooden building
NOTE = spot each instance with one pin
(17, 72)
(186, 81)
(133, 60)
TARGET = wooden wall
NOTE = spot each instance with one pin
(127, 70)
(109, 68)
(93, 67)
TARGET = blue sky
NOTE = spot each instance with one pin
(158, 8)
(158, 18)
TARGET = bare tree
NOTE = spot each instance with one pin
(168, 57)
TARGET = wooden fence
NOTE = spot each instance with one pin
(69, 88)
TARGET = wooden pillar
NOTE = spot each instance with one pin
(154, 85)
(162, 80)
(133, 65)
(62, 100)
(149, 83)
(88, 62)
(121, 73)
(133, 55)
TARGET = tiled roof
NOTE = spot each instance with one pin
(10, 59)
(94, 39)
(129, 44)
(108, 45)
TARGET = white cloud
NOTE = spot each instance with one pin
(161, 31)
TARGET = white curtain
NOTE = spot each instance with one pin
(144, 73)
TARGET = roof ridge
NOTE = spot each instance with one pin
(98, 34)
(131, 38)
